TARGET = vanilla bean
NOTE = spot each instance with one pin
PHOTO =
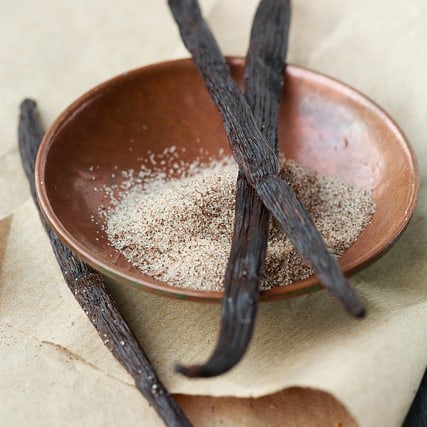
(88, 288)
(255, 157)
(263, 73)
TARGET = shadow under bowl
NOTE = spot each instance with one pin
(324, 125)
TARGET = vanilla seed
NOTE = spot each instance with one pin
(179, 230)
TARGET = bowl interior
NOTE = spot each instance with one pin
(324, 125)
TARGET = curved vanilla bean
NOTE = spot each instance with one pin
(88, 288)
(263, 74)
(255, 157)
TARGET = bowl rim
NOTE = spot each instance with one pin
(310, 284)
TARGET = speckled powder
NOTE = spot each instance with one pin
(179, 231)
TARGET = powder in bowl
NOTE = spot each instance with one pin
(179, 230)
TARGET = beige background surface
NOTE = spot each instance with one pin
(54, 369)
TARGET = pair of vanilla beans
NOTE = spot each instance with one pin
(251, 124)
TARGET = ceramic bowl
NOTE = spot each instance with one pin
(324, 125)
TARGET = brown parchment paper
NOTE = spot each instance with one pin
(315, 365)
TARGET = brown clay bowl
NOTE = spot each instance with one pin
(324, 125)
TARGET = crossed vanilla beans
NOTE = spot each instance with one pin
(256, 154)
(265, 62)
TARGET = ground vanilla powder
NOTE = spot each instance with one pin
(179, 230)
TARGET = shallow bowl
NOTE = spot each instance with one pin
(324, 125)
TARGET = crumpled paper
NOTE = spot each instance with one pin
(305, 351)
